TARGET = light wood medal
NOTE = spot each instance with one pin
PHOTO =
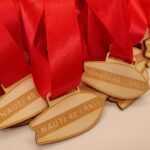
(69, 115)
(20, 103)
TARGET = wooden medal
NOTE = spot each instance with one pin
(26, 122)
(146, 49)
(139, 59)
(73, 114)
(20, 103)
(139, 63)
(114, 79)
(123, 104)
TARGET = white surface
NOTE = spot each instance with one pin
(116, 130)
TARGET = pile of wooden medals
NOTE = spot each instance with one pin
(80, 109)
(35, 90)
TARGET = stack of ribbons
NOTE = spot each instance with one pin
(61, 60)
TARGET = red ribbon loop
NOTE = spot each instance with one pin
(64, 45)
(35, 36)
(13, 65)
(146, 7)
(52, 38)
(57, 66)
(116, 21)
(139, 22)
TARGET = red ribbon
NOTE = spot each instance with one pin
(13, 64)
(35, 37)
(53, 39)
(139, 21)
(117, 23)
(146, 7)
(57, 65)
(108, 23)
(94, 33)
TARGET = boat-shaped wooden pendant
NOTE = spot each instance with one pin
(139, 64)
(147, 48)
(71, 115)
(20, 103)
(117, 80)
(139, 59)
(123, 104)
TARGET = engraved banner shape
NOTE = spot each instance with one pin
(116, 79)
(67, 117)
(18, 104)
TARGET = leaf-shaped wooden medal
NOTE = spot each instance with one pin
(76, 113)
(139, 63)
(139, 59)
(115, 79)
(147, 48)
(20, 103)
(123, 104)
(24, 122)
